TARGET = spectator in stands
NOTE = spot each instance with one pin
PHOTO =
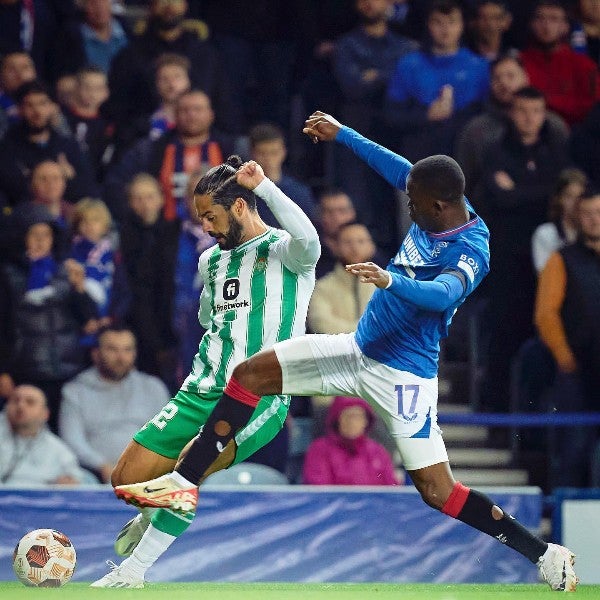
(507, 75)
(94, 247)
(567, 316)
(562, 227)
(585, 145)
(131, 78)
(43, 309)
(268, 149)
(32, 140)
(518, 176)
(433, 91)
(192, 145)
(337, 301)
(568, 79)
(16, 68)
(90, 129)
(149, 248)
(346, 455)
(172, 79)
(488, 28)
(31, 26)
(335, 208)
(93, 38)
(29, 453)
(103, 406)
(585, 31)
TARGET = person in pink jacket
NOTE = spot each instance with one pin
(346, 455)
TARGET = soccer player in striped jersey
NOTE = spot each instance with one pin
(258, 281)
(392, 359)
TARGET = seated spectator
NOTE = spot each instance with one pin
(149, 249)
(346, 455)
(106, 404)
(562, 228)
(43, 310)
(567, 316)
(433, 91)
(518, 176)
(92, 38)
(585, 31)
(268, 149)
(585, 145)
(16, 68)
(30, 454)
(132, 74)
(507, 76)
(172, 78)
(90, 129)
(567, 79)
(32, 140)
(337, 302)
(488, 28)
(191, 146)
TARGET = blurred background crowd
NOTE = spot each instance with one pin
(110, 112)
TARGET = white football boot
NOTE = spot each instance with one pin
(556, 568)
(118, 577)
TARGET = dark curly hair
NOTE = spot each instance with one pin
(220, 183)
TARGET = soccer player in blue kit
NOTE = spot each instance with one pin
(391, 360)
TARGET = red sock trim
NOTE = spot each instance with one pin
(456, 500)
(237, 391)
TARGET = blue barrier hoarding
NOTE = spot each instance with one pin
(285, 533)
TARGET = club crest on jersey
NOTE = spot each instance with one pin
(261, 264)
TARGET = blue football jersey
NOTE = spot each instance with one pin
(397, 332)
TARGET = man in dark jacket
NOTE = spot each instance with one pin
(33, 140)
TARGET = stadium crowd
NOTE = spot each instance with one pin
(110, 112)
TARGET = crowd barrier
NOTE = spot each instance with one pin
(285, 533)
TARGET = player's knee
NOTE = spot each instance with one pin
(242, 373)
(433, 494)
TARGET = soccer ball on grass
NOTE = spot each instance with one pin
(44, 558)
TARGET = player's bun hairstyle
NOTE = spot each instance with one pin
(220, 183)
(440, 176)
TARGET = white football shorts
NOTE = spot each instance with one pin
(333, 365)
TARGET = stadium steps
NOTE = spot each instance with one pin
(472, 461)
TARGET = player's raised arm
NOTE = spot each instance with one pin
(391, 166)
(304, 247)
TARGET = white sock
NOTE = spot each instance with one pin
(152, 545)
(181, 480)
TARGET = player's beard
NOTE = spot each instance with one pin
(233, 237)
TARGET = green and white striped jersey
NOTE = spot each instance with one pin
(256, 294)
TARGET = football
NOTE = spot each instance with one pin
(44, 558)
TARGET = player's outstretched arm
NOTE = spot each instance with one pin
(391, 166)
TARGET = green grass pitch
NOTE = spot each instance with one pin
(294, 591)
